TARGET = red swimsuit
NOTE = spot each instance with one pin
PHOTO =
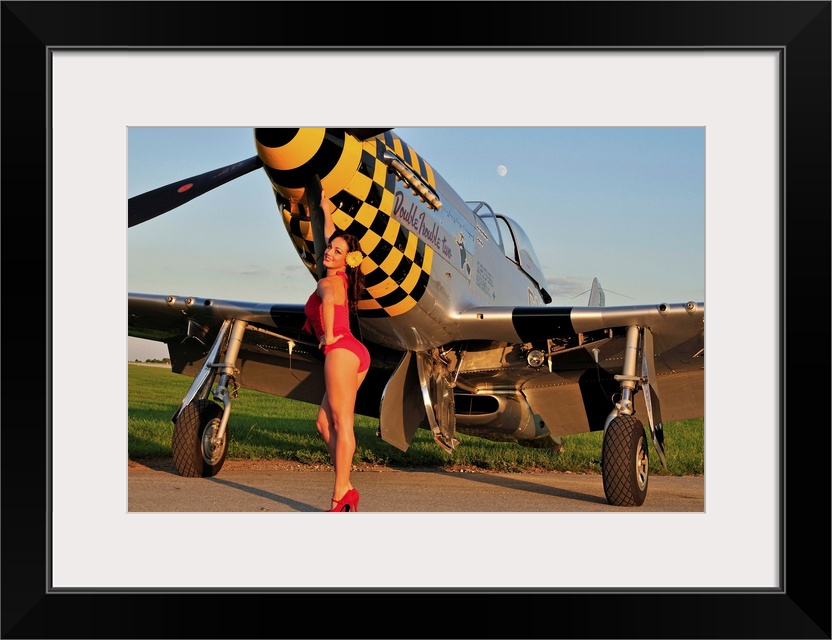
(314, 320)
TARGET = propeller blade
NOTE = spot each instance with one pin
(316, 215)
(154, 203)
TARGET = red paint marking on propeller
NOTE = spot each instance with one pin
(185, 187)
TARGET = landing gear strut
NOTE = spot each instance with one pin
(200, 431)
(438, 394)
(625, 463)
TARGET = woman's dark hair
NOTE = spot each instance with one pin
(355, 276)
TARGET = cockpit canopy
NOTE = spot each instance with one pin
(509, 235)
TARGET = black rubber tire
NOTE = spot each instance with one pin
(625, 462)
(192, 454)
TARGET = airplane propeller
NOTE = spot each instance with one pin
(154, 203)
(151, 204)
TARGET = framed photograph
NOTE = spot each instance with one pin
(755, 75)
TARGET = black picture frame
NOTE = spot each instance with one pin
(799, 609)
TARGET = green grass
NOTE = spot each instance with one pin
(270, 428)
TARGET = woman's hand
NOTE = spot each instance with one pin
(325, 342)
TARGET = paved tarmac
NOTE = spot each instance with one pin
(265, 488)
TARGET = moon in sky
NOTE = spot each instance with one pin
(501, 170)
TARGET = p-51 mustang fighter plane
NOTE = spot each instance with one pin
(455, 316)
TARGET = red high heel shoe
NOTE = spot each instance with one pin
(349, 502)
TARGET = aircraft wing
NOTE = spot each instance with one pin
(528, 324)
(567, 362)
(276, 355)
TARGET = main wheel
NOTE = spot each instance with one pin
(196, 452)
(625, 462)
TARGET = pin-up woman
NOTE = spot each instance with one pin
(346, 358)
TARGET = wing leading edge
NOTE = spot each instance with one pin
(529, 324)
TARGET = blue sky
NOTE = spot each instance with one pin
(626, 205)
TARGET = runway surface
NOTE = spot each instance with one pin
(265, 487)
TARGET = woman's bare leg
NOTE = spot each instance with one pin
(324, 425)
(336, 418)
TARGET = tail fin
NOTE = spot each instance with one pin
(596, 294)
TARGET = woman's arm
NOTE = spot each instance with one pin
(328, 207)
